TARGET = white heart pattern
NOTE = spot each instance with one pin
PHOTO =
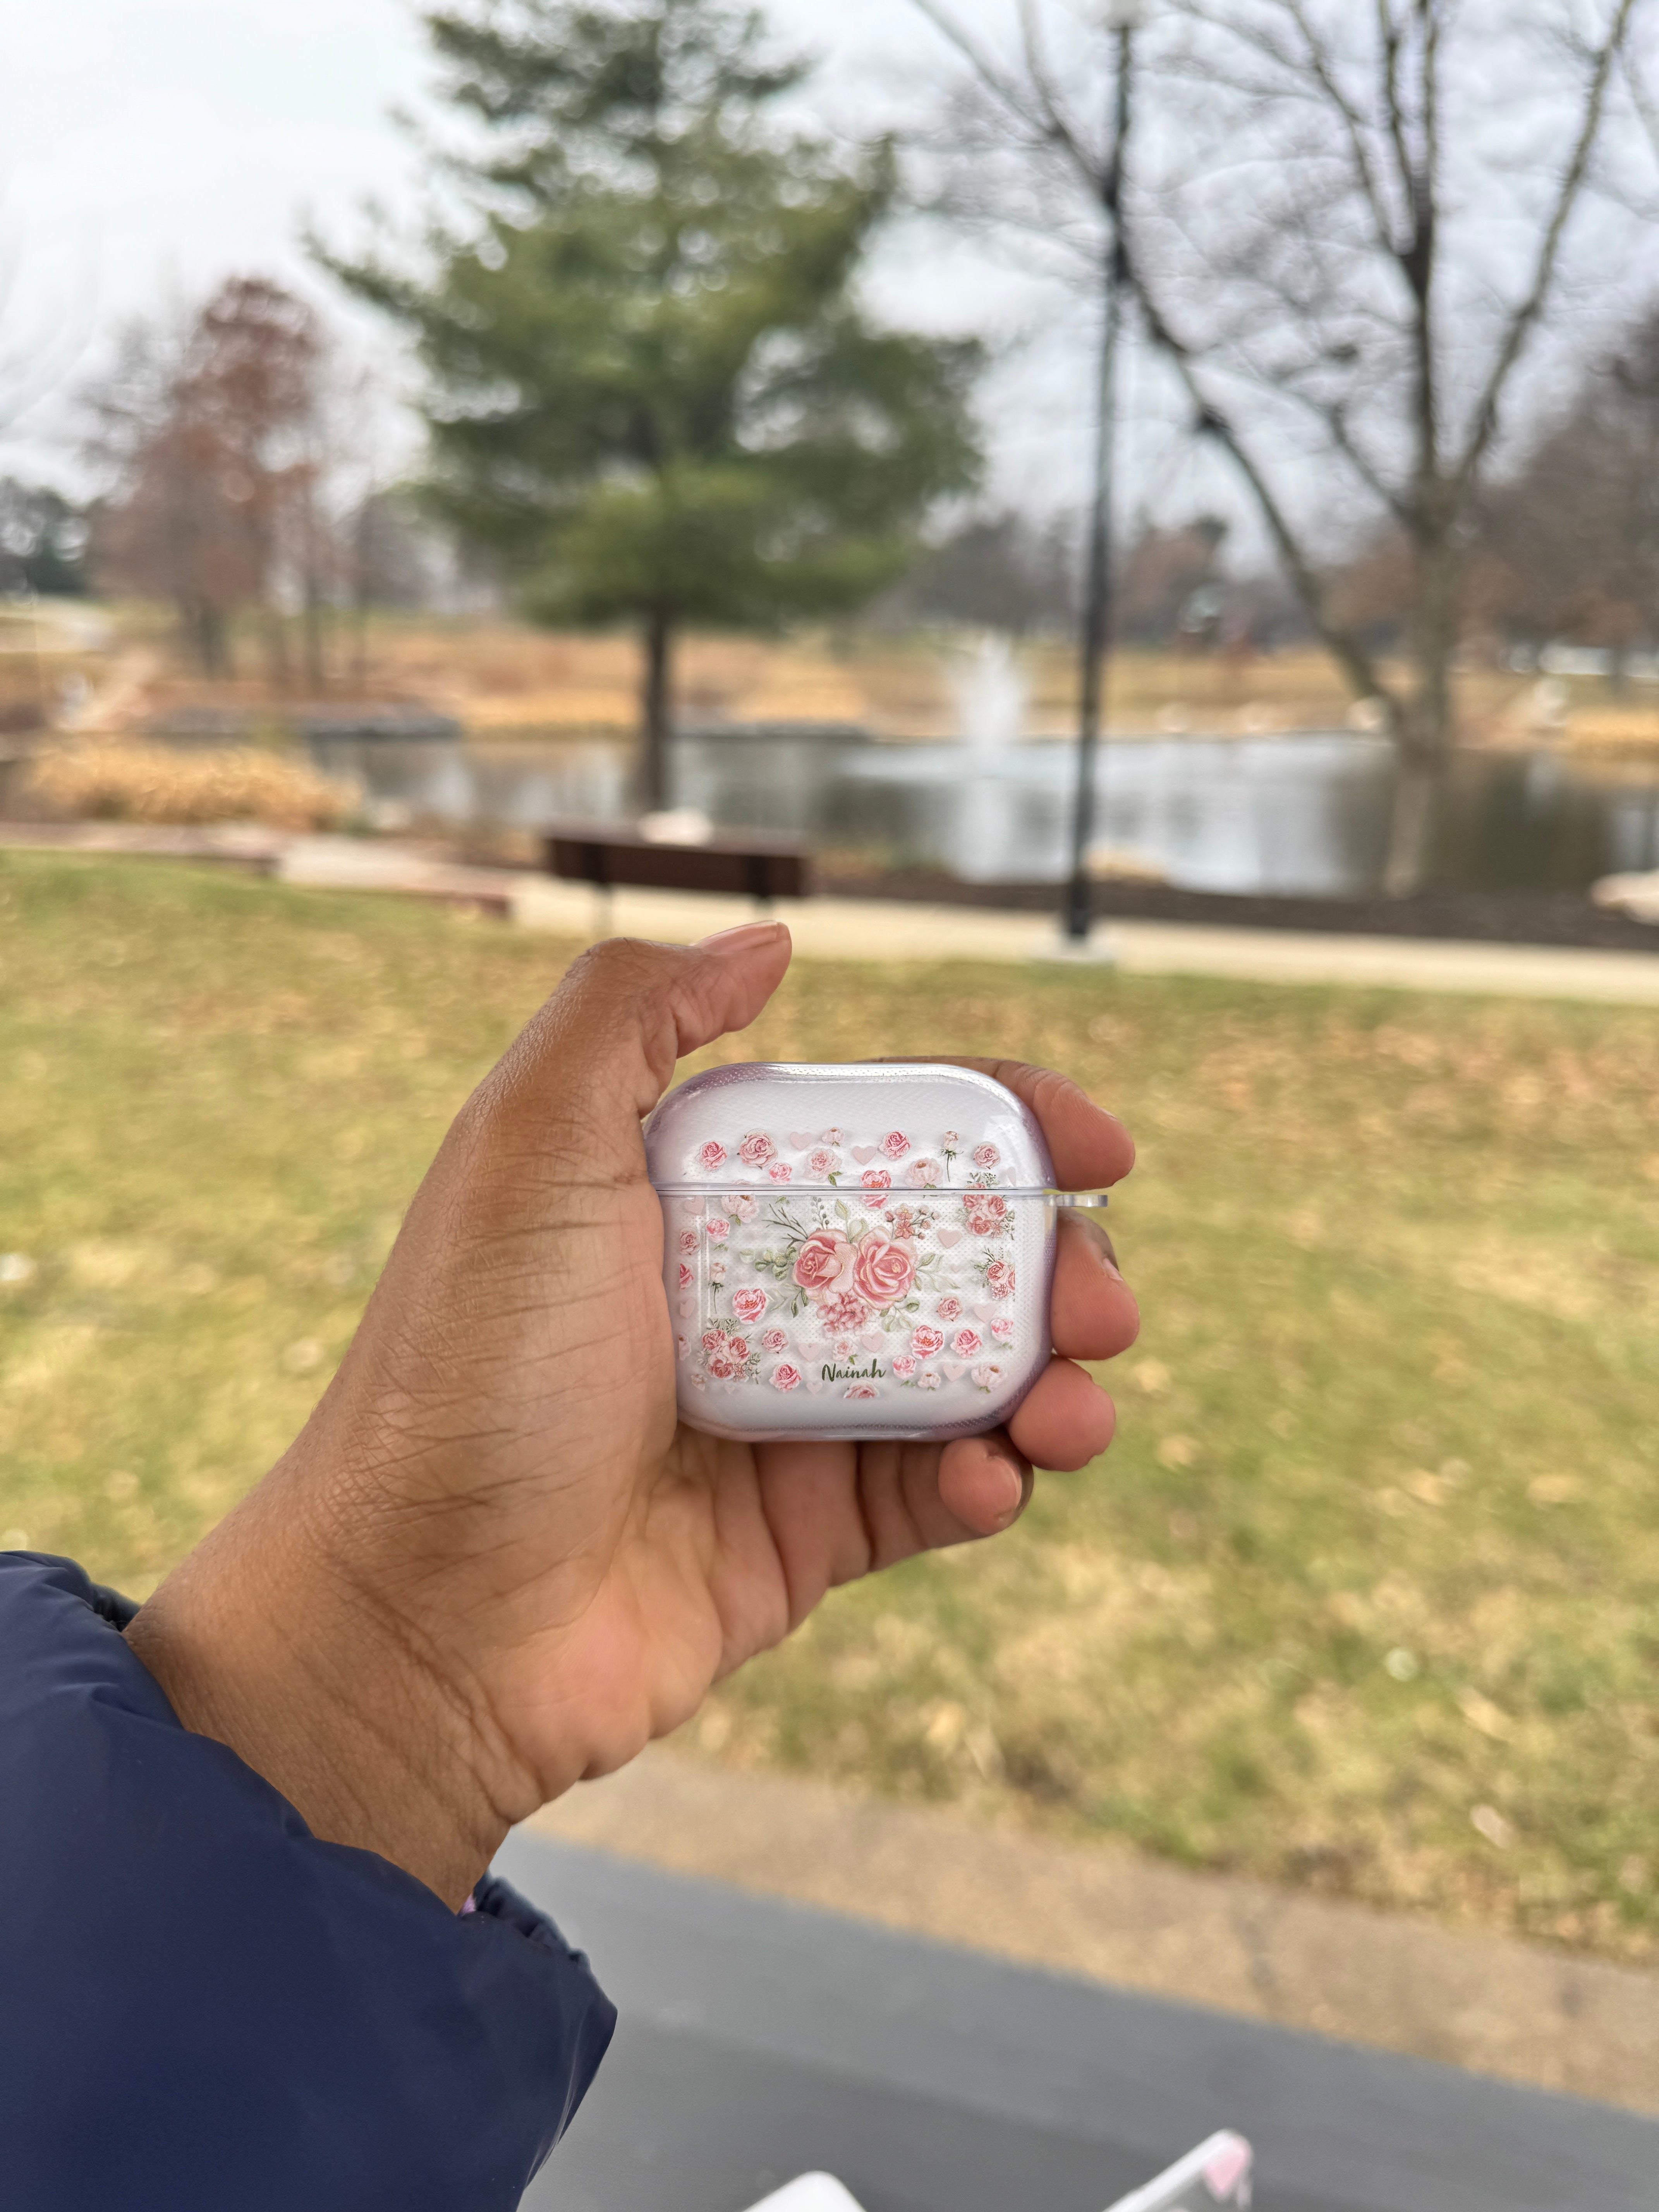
(815, 1389)
(987, 1313)
(953, 1370)
(800, 1144)
(864, 1154)
(688, 1308)
(872, 1339)
(950, 1238)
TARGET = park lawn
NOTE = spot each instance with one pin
(1366, 1599)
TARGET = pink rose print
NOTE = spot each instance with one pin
(687, 1240)
(718, 1228)
(743, 1207)
(832, 1137)
(822, 1162)
(749, 1305)
(926, 1341)
(822, 1261)
(950, 1309)
(1003, 1329)
(967, 1344)
(713, 1339)
(950, 1141)
(904, 1224)
(877, 1179)
(923, 1174)
(776, 1340)
(757, 1148)
(988, 1377)
(712, 1156)
(727, 1357)
(999, 1278)
(987, 1215)
(779, 1170)
(904, 1367)
(860, 1390)
(717, 1271)
(688, 1278)
(930, 1380)
(986, 1156)
(896, 1144)
(843, 1314)
(787, 1378)
(882, 1271)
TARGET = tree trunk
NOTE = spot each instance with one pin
(1424, 728)
(656, 711)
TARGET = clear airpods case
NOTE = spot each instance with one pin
(854, 1251)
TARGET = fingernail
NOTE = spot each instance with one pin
(726, 943)
(1105, 1250)
(1012, 1487)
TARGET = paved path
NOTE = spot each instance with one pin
(876, 929)
(1499, 2007)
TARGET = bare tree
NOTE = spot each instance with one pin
(1353, 219)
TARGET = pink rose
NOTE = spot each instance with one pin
(929, 1380)
(832, 1136)
(896, 1144)
(860, 1390)
(986, 1156)
(882, 1271)
(950, 1309)
(949, 1140)
(988, 1377)
(713, 1340)
(738, 1347)
(779, 1170)
(776, 1340)
(904, 1367)
(711, 1156)
(967, 1344)
(757, 1148)
(1003, 1329)
(923, 1174)
(726, 1364)
(688, 1278)
(687, 1240)
(822, 1261)
(749, 1305)
(926, 1341)
(718, 1228)
(743, 1207)
(987, 1215)
(876, 1179)
(787, 1378)
(999, 1278)
(822, 1163)
(843, 1314)
(717, 1271)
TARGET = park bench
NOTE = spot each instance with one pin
(611, 858)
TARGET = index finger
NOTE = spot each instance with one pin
(1090, 1148)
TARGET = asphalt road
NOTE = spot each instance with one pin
(762, 2039)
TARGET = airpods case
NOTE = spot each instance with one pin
(855, 1252)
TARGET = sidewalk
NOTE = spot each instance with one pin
(1488, 2004)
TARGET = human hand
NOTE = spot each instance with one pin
(495, 1562)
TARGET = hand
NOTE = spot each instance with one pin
(495, 1562)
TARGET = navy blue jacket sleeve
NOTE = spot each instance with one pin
(202, 2005)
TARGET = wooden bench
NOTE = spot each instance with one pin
(612, 859)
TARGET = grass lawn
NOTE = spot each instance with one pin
(1367, 1597)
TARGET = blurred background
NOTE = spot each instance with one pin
(1205, 452)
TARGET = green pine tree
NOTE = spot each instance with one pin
(653, 392)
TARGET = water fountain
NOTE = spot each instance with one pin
(991, 694)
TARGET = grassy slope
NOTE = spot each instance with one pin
(1380, 1543)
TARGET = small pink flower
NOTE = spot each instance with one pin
(1003, 1329)
(950, 1141)
(883, 1270)
(922, 1175)
(926, 1341)
(823, 1260)
(950, 1309)
(988, 1377)
(986, 1156)
(687, 1240)
(999, 1278)
(717, 1271)
(722, 1365)
(739, 1348)
(822, 1162)
(743, 1207)
(718, 1228)
(787, 1378)
(896, 1144)
(967, 1344)
(757, 1148)
(904, 1367)
(779, 1170)
(877, 1179)
(861, 1390)
(713, 1340)
(832, 1137)
(843, 1314)
(688, 1278)
(987, 1215)
(749, 1305)
(776, 1340)
(928, 1381)
(712, 1156)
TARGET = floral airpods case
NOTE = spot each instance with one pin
(854, 1251)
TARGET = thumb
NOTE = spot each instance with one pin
(603, 1049)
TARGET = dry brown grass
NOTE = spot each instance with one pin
(125, 781)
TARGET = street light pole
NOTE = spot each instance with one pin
(1125, 17)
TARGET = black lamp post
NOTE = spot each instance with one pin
(1123, 18)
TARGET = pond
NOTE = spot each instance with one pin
(1304, 815)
